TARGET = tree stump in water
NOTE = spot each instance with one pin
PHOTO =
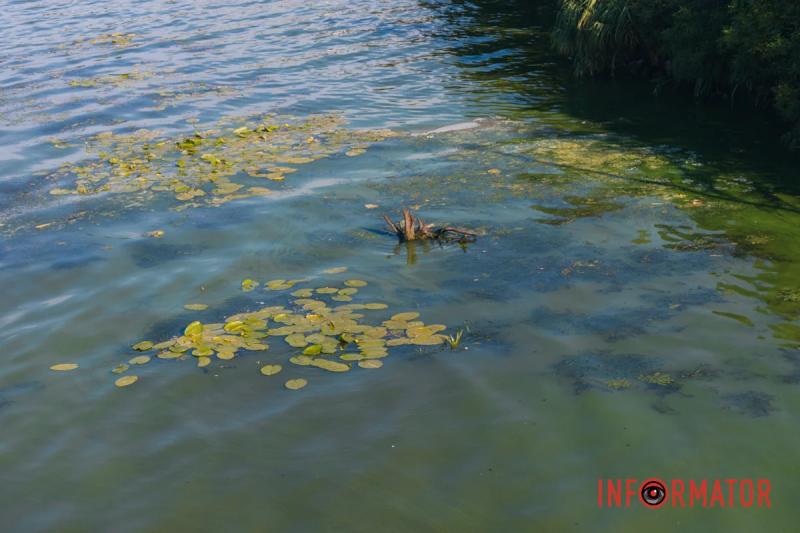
(412, 228)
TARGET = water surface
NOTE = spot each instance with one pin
(629, 309)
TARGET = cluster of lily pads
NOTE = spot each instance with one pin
(214, 166)
(324, 334)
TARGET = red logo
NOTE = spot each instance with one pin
(655, 493)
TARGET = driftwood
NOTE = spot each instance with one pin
(412, 228)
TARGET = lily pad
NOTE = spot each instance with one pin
(203, 362)
(120, 368)
(314, 349)
(370, 363)
(194, 328)
(248, 285)
(296, 340)
(405, 317)
(140, 360)
(327, 290)
(195, 307)
(271, 370)
(301, 360)
(64, 367)
(330, 366)
(295, 384)
(355, 283)
(143, 346)
(124, 381)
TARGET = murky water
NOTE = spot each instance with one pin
(629, 309)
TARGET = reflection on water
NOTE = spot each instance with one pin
(630, 307)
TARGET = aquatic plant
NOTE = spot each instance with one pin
(320, 335)
(214, 166)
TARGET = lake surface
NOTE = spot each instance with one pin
(629, 309)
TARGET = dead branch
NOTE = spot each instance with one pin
(412, 228)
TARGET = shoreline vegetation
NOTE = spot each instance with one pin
(744, 52)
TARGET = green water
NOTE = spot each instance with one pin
(630, 308)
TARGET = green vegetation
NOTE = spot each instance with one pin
(740, 50)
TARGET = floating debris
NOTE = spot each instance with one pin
(412, 228)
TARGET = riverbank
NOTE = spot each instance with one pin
(742, 53)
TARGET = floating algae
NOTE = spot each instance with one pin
(318, 333)
(210, 167)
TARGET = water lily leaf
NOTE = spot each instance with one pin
(226, 355)
(193, 329)
(400, 341)
(370, 363)
(303, 293)
(405, 317)
(330, 366)
(375, 306)
(271, 370)
(348, 291)
(419, 331)
(234, 326)
(355, 283)
(257, 346)
(295, 384)
(120, 368)
(143, 346)
(341, 298)
(318, 338)
(327, 290)
(278, 285)
(296, 340)
(163, 345)
(335, 270)
(301, 360)
(124, 381)
(248, 285)
(140, 360)
(169, 354)
(373, 352)
(314, 349)
(203, 361)
(195, 307)
(64, 367)
(428, 340)
(351, 357)
(202, 351)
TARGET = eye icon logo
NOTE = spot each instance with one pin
(653, 493)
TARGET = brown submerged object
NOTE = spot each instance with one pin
(412, 228)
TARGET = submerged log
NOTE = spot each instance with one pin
(412, 228)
